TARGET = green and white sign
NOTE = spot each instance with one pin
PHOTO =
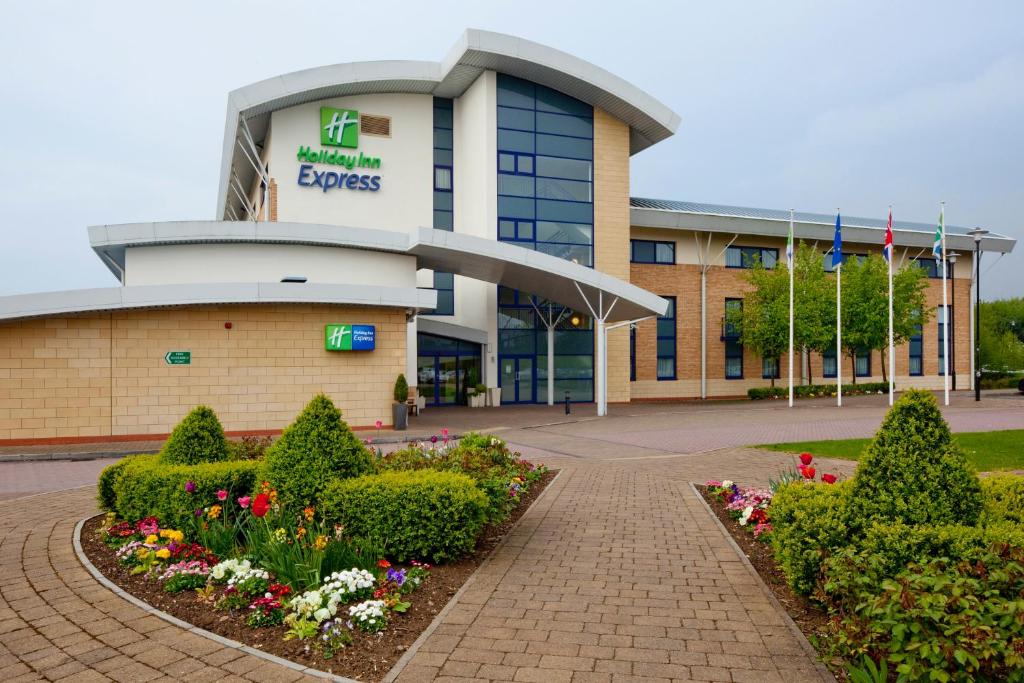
(350, 337)
(178, 358)
(339, 127)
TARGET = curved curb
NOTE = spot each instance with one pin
(404, 660)
(149, 609)
(805, 644)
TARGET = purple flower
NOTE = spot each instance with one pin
(433, 439)
(199, 512)
(396, 575)
(190, 486)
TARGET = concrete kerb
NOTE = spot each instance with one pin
(149, 609)
(404, 660)
(805, 644)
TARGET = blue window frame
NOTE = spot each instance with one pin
(828, 364)
(444, 283)
(444, 164)
(651, 251)
(862, 363)
(916, 364)
(746, 257)
(667, 341)
(769, 368)
(731, 337)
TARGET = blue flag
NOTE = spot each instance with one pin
(837, 244)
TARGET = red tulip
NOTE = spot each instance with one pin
(828, 478)
(806, 458)
(807, 471)
(261, 505)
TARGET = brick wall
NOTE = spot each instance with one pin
(611, 232)
(104, 374)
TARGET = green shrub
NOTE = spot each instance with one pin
(943, 621)
(808, 524)
(912, 471)
(147, 486)
(1002, 499)
(105, 495)
(197, 438)
(314, 450)
(816, 390)
(249, 447)
(401, 389)
(425, 515)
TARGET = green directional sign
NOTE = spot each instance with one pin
(178, 358)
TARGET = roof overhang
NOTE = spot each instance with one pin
(649, 120)
(810, 227)
(79, 301)
(546, 276)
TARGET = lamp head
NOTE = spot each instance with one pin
(952, 257)
(977, 234)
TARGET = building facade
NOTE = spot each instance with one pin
(476, 214)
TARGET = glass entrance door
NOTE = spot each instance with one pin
(517, 380)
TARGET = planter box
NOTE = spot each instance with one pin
(477, 400)
(400, 415)
(494, 397)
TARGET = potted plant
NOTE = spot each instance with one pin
(477, 396)
(399, 411)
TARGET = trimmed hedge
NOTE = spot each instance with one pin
(913, 472)
(422, 515)
(817, 390)
(313, 451)
(147, 486)
(1002, 499)
(105, 495)
(808, 524)
(199, 437)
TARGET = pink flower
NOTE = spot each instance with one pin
(244, 501)
(444, 432)
(222, 495)
(190, 486)
(806, 458)
(378, 424)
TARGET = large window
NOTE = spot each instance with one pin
(667, 341)
(444, 283)
(862, 363)
(769, 368)
(444, 187)
(933, 267)
(545, 170)
(731, 336)
(747, 257)
(942, 315)
(650, 251)
(916, 368)
(828, 364)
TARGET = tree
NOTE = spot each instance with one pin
(1002, 335)
(765, 324)
(814, 307)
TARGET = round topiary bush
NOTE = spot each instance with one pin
(913, 472)
(198, 438)
(314, 450)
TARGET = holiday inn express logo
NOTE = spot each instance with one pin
(350, 337)
(339, 127)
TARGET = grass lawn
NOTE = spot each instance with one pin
(1003, 450)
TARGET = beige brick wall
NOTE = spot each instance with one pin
(611, 232)
(104, 374)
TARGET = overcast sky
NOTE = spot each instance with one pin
(113, 112)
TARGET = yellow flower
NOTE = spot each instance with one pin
(214, 512)
(163, 553)
(141, 552)
(320, 543)
(178, 537)
(151, 539)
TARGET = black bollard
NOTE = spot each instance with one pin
(567, 403)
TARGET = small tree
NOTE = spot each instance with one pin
(197, 438)
(814, 309)
(314, 450)
(765, 322)
(401, 389)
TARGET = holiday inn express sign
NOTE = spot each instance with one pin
(350, 337)
(338, 128)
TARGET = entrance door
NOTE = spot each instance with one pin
(517, 381)
(447, 380)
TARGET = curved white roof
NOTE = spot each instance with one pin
(546, 276)
(649, 120)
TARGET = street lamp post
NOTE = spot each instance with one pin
(951, 258)
(977, 234)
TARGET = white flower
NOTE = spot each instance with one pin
(322, 614)
(745, 517)
(229, 568)
(727, 484)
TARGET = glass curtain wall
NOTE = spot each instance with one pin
(444, 187)
(445, 368)
(545, 202)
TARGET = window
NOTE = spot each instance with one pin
(917, 353)
(933, 267)
(862, 363)
(943, 315)
(444, 185)
(746, 257)
(649, 251)
(828, 364)
(827, 260)
(444, 283)
(731, 336)
(769, 368)
(667, 341)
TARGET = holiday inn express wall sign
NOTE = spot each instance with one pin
(339, 128)
(350, 337)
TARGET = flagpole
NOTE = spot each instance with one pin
(945, 308)
(790, 258)
(839, 324)
(892, 348)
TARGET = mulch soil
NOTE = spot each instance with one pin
(369, 657)
(810, 618)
